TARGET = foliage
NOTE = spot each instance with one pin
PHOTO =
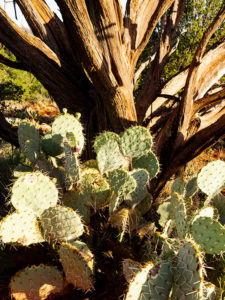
(108, 204)
(17, 84)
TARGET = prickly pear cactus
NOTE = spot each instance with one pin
(141, 177)
(148, 162)
(35, 191)
(138, 282)
(102, 138)
(20, 227)
(95, 190)
(60, 224)
(122, 182)
(136, 141)
(66, 123)
(36, 283)
(29, 140)
(71, 166)
(189, 273)
(209, 234)
(109, 156)
(211, 178)
(78, 264)
(52, 144)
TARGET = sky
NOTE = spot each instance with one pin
(21, 21)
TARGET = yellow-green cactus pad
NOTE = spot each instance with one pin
(60, 224)
(209, 234)
(36, 283)
(29, 140)
(121, 182)
(67, 123)
(148, 162)
(109, 157)
(136, 141)
(138, 281)
(78, 264)
(95, 190)
(102, 138)
(21, 228)
(211, 178)
(189, 273)
(34, 191)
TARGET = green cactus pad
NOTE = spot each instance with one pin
(21, 228)
(209, 234)
(177, 190)
(60, 224)
(102, 138)
(219, 202)
(52, 144)
(189, 273)
(164, 212)
(78, 264)
(77, 202)
(159, 282)
(29, 140)
(141, 177)
(181, 218)
(148, 162)
(191, 187)
(109, 157)
(71, 164)
(67, 123)
(36, 282)
(211, 178)
(121, 182)
(137, 283)
(130, 268)
(178, 186)
(136, 141)
(114, 202)
(95, 190)
(34, 191)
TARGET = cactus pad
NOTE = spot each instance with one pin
(60, 224)
(209, 234)
(29, 140)
(121, 182)
(95, 190)
(109, 157)
(136, 141)
(34, 191)
(102, 138)
(189, 273)
(137, 283)
(159, 282)
(211, 178)
(71, 165)
(21, 228)
(52, 144)
(36, 282)
(219, 202)
(191, 187)
(67, 123)
(77, 202)
(78, 264)
(148, 162)
(181, 218)
(141, 177)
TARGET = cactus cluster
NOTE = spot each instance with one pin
(57, 199)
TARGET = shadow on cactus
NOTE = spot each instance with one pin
(92, 217)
